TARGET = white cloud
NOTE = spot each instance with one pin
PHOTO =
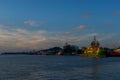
(107, 37)
(81, 27)
(34, 23)
(30, 23)
(19, 39)
(22, 39)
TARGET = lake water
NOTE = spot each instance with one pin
(35, 67)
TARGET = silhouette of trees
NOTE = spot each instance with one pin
(69, 49)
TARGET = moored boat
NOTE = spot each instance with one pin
(94, 50)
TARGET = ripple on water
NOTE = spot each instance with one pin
(58, 68)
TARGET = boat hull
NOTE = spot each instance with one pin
(94, 55)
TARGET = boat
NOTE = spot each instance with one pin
(115, 53)
(94, 50)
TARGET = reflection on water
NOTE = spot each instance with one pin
(29, 67)
(96, 69)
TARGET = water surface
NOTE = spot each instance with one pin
(34, 67)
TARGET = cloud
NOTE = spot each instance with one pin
(84, 15)
(18, 39)
(73, 38)
(30, 39)
(34, 23)
(1, 25)
(30, 23)
(67, 33)
(87, 15)
(25, 40)
(107, 37)
(116, 13)
(109, 24)
(42, 23)
(81, 27)
(33, 43)
(76, 40)
(109, 40)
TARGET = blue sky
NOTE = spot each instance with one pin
(34, 24)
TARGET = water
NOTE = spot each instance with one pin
(33, 67)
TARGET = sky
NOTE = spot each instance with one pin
(40, 24)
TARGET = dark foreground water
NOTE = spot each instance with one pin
(33, 67)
